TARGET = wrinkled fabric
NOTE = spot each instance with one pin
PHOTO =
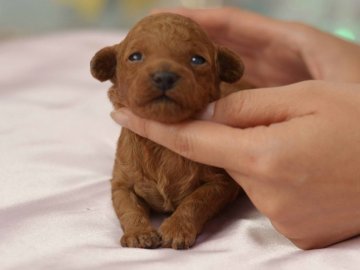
(57, 145)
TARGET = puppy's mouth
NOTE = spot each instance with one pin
(163, 99)
(170, 102)
(163, 108)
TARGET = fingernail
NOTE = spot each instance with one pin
(120, 117)
(208, 113)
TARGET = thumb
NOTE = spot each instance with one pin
(261, 107)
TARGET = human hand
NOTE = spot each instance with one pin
(295, 150)
(277, 52)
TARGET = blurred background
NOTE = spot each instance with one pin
(25, 17)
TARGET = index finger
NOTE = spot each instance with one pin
(201, 141)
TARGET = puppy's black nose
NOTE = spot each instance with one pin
(164, 80)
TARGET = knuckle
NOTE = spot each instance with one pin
(271, 162)
(229, 108)
(183, 145)
(298, 237)
(275, 211)
(267, 166)
(243, 98)
(143, 128)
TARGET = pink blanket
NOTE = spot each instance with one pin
(57, 145)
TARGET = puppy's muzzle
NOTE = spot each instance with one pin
(164, 80)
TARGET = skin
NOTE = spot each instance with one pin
(293, 144)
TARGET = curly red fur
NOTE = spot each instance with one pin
(146, 175)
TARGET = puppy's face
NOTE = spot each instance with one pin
(166, 69)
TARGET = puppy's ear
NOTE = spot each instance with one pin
(230, 66)
(103, 64)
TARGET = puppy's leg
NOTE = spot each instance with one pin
(134, 218)
(179, 231)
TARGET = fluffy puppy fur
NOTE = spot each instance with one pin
(166, 69)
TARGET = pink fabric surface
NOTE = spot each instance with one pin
(56, 154)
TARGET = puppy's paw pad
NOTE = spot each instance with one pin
(141, 239)
(177, 235)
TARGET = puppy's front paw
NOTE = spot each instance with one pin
(177, 234)
(141, 239)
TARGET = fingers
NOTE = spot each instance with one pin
(202, 141)
(220, 142)
(250, 108)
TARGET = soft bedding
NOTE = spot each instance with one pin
(57, 146)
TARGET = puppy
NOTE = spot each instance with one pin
(166, 69)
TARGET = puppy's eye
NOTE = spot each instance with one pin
(135, 57)
(197, 60)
